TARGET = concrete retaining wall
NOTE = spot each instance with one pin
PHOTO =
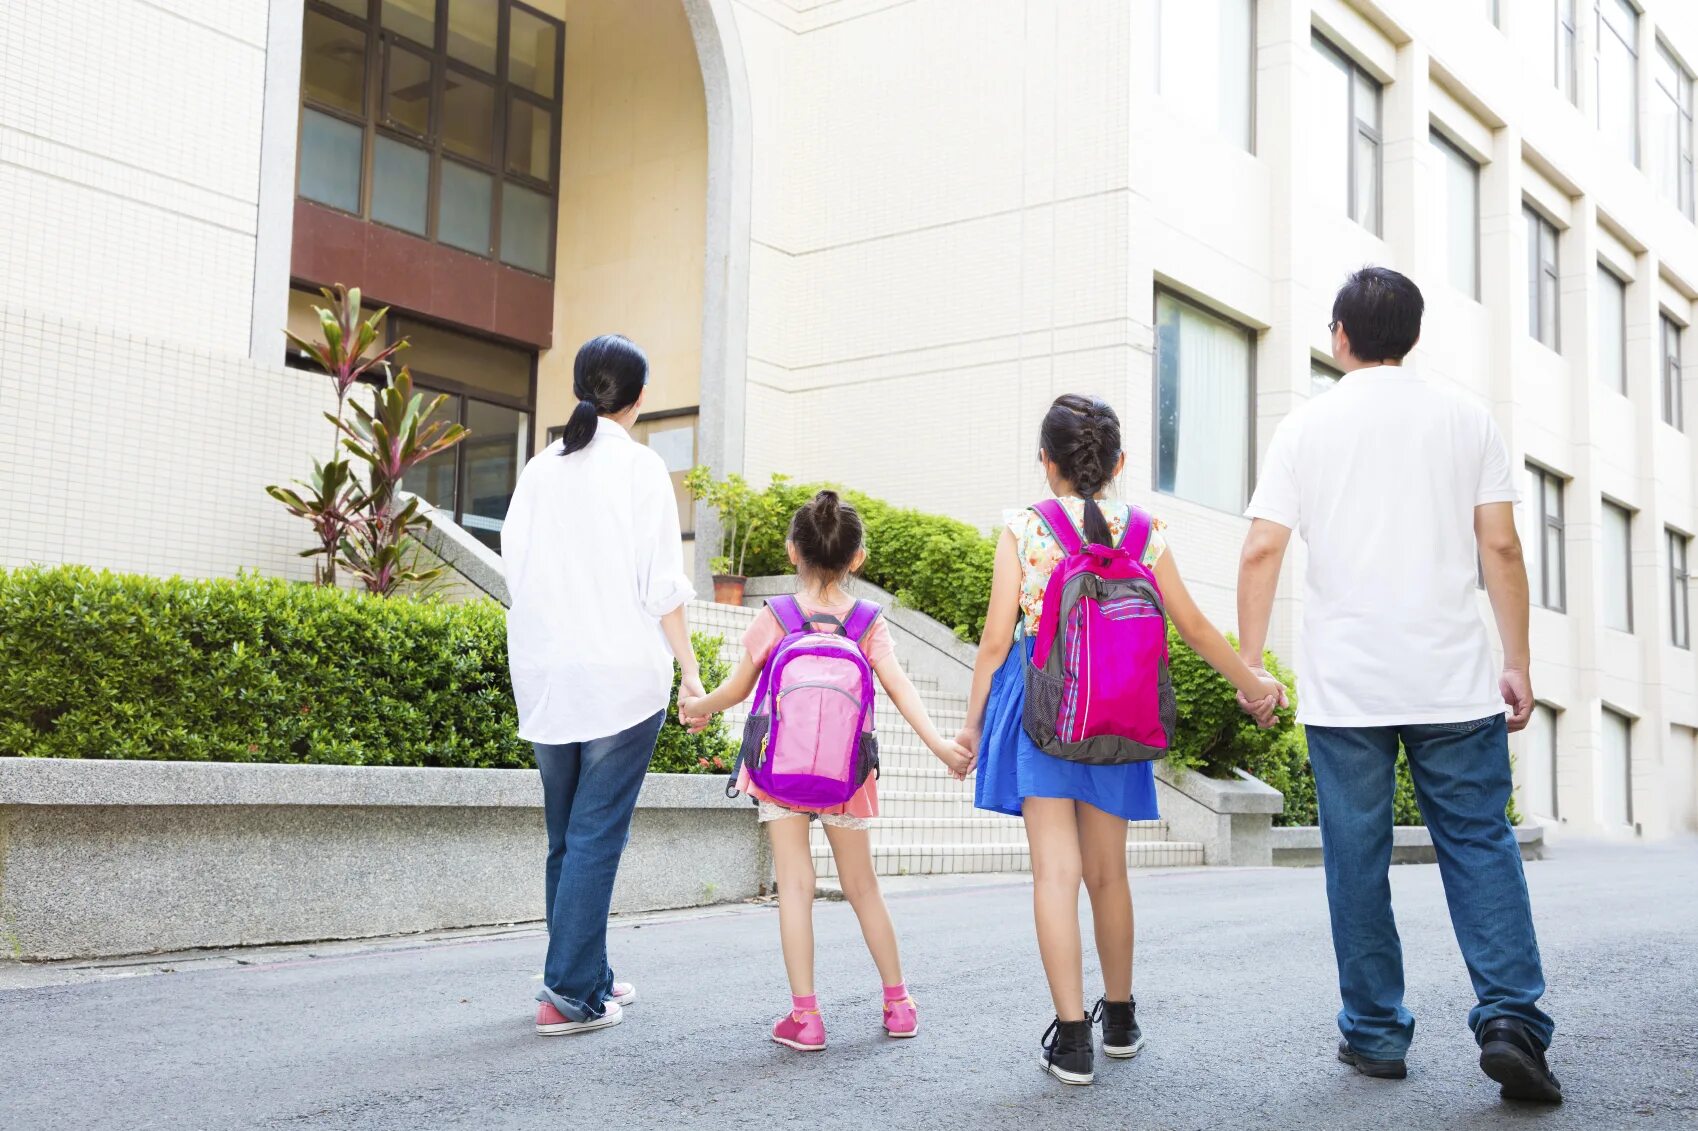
(1300, 845)
(106, 858)
(1232, 820)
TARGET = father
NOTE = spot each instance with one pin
(1393, 483)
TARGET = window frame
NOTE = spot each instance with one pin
(1600, 24)
(1555, 714)
(1567, 45)
(1319, 369)
(1544, 522)
(1627, 721)
(1249, 62)
(1355, 129)
(1539, 271)
(1682, 99)
(1628, 514)
(1252, 338)
(1451, 149)
(1673, 408)
(1606, 272)
(1678, 547)
(380, 43)
(686, 527)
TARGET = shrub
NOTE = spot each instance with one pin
(100, 665)
(711, 752)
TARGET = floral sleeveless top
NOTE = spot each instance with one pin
(1040, 553)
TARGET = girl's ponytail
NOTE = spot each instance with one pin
(1081, 436)
(607, 378)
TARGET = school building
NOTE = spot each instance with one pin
(869, 240)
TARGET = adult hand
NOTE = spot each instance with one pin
(1516, 687)
(1262, 709)
(689, 690)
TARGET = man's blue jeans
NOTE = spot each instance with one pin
(1462, 783)
(589, 791)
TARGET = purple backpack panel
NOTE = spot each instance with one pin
(1098, 688)
(809, 740)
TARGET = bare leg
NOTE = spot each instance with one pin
(852, 849)
(1053, 834)
(795, 866)
(1102, 844)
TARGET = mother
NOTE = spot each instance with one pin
(595, 573)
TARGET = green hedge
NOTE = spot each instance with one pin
(100, 665)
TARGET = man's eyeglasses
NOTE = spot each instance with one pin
(1332, 327)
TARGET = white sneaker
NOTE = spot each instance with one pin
(552, 1023)
(624, 993)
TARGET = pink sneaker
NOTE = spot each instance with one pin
(551, 1022)
(901, 1018)
(802, 1031)
(624, 993)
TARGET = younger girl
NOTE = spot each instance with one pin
(825, 545)
(1075, 813)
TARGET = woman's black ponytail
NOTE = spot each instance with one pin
(1081, 436)
(607, 378)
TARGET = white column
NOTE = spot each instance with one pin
(275, 210)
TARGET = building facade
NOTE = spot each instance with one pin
(869, 241)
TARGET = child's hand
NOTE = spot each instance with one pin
(968, 739)
(691, 716)
(955, 757)
(1261, 708)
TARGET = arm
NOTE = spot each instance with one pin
(900, 688)
(1506, 587)
(676, 629)
(1258, 576)
(1205, 639)
(997, 638)
(736, 688)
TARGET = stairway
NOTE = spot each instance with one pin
(927, 823)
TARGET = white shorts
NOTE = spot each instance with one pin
(772, 811)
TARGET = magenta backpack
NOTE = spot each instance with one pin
(809, 739)
(1098, 688)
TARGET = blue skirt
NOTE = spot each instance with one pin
(1012, 768)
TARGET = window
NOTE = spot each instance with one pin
(1542, 278)
(1615, 770)
(1568, 49)
(1680, 590)
(1351, 162)
(1618, 567)
(1202, 405)
(1539, 772)
(1493, 13)
(672, 433)
(1548, 569)
(1671, 129)
(1322, 377)
(1459, 194)
(1612, 330)
(1616, 67)
(488, 386)
(1206, 63)
(1674, 411)
(414, 116)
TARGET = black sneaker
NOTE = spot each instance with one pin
(1367, 1066)
(1068, 1051)
(1510, 1055)
(1122, 1039)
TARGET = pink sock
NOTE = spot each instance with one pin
(809, 1004)
(896, 992)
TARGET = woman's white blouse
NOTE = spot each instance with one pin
(593, 561)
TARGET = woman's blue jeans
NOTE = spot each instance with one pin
(589, 792)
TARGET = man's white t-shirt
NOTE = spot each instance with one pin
(1380, 476)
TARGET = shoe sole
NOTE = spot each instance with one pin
(1078, 1079)
(914, 1032)
(573, 1027)
(625, 1000)
(1373, 1073)
(797, 1045)
(1124, 1052)
(1518, 1074)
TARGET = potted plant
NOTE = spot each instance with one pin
(739, 510)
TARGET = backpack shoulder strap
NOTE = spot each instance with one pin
(861, 618)
(1060, 524)
(788, 613)
(1136, 536)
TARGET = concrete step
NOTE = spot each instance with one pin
(986, 828)
(943, 859)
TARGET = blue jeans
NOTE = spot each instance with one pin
(589, 792)
(1462, 783)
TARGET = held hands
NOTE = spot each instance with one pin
(1273, 696)
(957, 759)
(690, 695)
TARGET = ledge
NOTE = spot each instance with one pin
(462, 553)
(1411, 844)
(1246, 794)
(94, 782)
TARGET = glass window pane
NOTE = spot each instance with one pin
(1459, 199)
(330, 160)
(1665, 124)
(1538, 794)
(530, 130)
(532, 52)
(1614, 806)
(1202, 405)
(353, 7)
(400, 185)
(471, 31)
(1617, 71)
(406, 90)
(468, 117)
(415, 19)
(1321, 379)
(333, 63)
(1367, 101)
(527, 235)
(1554, 581)
(464, 217)
(1618, 569)
(1533, 540)
(1368, 182)
(1612, 331)
(674, 438)
(1331, 142)
(478, 363)
(495, 451)
(433, 480)
(1206, 64)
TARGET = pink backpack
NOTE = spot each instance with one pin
(1098, 688)
(809, 740)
